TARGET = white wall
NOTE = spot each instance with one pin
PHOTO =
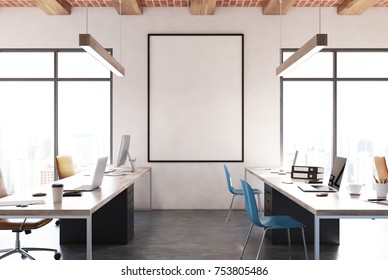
(195, 185)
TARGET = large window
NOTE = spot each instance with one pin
(303, 125)
(83, 121)
(51, 102)
(334, 104)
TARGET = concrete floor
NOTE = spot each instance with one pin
(203, 235)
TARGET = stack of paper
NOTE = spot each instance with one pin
(20, 202)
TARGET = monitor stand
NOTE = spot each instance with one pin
(126, 168)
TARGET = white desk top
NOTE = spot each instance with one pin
(80, 206)
(335, 204)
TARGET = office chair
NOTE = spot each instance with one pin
(65, 166)
(267, 222)
(20, 225)
(236, 192)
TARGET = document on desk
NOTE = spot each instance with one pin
(378, 201)
(118, 173)
(382, 202)
(21, 202)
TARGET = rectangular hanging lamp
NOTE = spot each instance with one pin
(90, 45)
(314, 45)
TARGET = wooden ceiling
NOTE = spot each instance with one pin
(197, 7)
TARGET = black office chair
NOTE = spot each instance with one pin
(20, 225)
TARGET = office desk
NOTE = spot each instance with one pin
(335, 206)
(85, 207)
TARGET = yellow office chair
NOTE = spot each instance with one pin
(20, 225)
(65, 166)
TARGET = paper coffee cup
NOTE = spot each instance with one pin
(57, 192)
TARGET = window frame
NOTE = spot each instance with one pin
(55, 79)
(335, 80)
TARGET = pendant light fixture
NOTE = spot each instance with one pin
(313, 46)
(90, 45)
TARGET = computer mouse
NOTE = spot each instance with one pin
(39, 194)
(72, 194)
(322, 194)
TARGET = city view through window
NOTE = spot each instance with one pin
(333, 104)
(41, 113)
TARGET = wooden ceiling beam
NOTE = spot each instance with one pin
(202, 7)
(354, 7)
(273, 7)
(128, 7)
(54, 7)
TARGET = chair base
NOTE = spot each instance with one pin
(24, 251)
(262, 240)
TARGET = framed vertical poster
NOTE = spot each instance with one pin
(195, 97)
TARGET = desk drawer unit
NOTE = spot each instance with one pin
(268, 201)
(111, 224)
(276, 203)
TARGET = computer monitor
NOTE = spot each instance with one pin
(124, 153)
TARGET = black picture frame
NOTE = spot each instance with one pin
(172, 60)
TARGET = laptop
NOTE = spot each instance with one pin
(334, 180)
(97, 177)
(282, 171)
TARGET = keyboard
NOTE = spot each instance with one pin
(322, 188)
(84, 188)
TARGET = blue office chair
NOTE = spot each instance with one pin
(267, 222)
(235, 191)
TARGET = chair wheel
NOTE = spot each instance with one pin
(57, 256)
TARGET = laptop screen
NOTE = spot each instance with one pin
(337, 172)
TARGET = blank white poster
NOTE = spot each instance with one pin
(195, 97)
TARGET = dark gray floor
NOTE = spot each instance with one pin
(203, 235)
